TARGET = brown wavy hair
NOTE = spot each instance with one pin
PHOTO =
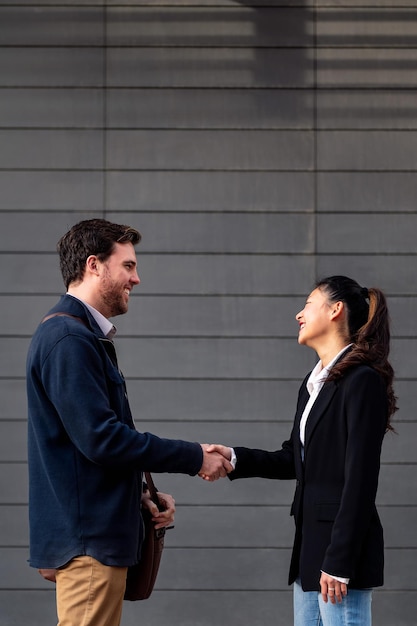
(95, 236)
(369, 331)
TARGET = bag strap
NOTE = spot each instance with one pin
(152, 489)
(109, 346)
(61, 314)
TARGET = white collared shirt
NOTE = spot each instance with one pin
(315, 382)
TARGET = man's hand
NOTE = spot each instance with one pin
(162, 519)
(48, 574)
(215, 464)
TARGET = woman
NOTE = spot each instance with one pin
(343, 411)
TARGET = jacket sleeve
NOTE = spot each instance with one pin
(252, 463)
(279, 464)
(77, 383)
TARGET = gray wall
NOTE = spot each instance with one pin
(256, 148)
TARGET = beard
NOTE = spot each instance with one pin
(113, 297)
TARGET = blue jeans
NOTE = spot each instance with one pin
(311, 610)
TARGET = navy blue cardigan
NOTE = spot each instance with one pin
(85, 455)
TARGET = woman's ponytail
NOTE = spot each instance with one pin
(369, 330)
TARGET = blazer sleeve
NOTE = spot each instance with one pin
(280, 464)
(252, 462)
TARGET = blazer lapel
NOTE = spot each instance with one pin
(326, 394)
(301, 404)
(318, 409)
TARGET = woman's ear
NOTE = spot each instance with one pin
(337, 309)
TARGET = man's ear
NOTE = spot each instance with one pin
(92, 264)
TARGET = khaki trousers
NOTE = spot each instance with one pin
(89, 593)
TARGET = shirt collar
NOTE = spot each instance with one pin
(320, 373)
(106, 326)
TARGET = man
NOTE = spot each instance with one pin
(85, 455)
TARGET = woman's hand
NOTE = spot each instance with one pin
(332, 589)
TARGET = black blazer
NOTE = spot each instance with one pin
(337, 527)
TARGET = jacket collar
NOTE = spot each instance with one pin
(74, 306)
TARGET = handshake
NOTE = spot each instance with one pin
(216, 462)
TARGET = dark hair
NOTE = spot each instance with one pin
(95, 236)
(369, 330)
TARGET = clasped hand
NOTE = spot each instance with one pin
(216, 462)
(164, 518)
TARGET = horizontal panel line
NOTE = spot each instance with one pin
(228, 295)
(399, 463)
(188, 547)
(168, 128)
(395, 506)
(211, 253)
(230, 379)
(213, 295)
(165, 212)
(407, 43)
(206, 253)
(181, 295)
(242, 128)
(285, 129)
(162, 420)
(173, 590)
(210, 170)
(13, 462)
(183, 130)
(383, 464)
(105, 45)
(165, 170)
(101, 86)
(259, 547)
(327, 13)
(233, 548)
(237, 505)
(181, 337)
(284, 506)
(209, 379)
(313, 89)
(247, 548)
(106, 89)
